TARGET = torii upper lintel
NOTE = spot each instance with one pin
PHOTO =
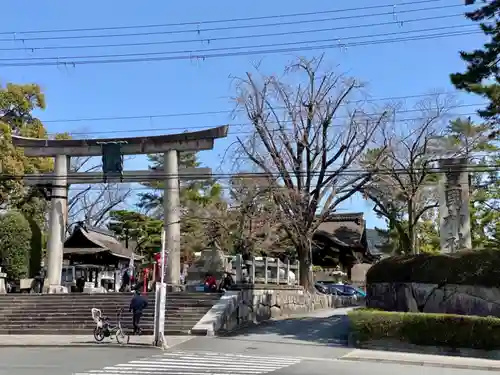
(188, 141)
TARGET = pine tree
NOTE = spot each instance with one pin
(482, 76)
(195, 197)
(484, 187)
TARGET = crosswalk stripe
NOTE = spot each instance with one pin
(197, 363)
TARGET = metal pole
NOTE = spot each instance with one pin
(160, 298)
(163, 256)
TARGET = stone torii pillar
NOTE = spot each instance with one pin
(57, 224)
(171, 221)
(62, 150)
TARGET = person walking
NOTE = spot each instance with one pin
(137, 306)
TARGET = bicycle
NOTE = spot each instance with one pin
(105, 329)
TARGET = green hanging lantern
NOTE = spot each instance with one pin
(112, 160)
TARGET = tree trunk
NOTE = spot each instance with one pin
(411, 228)
(305, 268)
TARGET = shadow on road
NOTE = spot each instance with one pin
(331, 330)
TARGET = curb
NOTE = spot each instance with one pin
(422, 363)
(404, 347)
(75, 345)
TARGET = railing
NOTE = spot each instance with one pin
(265, 270)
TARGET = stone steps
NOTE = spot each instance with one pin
(30, 298)
(109, 294)
(71, 313)
(109, 306)
(108, 311)
(76, 317)
(75, 331)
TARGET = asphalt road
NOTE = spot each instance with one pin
(121, 361)
(368, 368)
(313, 345)
(65, 360)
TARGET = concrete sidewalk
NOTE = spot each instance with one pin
(82, 340)
(422, 360)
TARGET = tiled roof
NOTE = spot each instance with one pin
(102, 240)
(347, 228)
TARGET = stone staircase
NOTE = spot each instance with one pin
(65, 314)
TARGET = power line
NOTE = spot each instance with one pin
(94, 188)
(186, 114)
(242, 124)
(228, 38)
(112, 59)
(199, 23)
(218, 49)
(484, 168)
(228, 188)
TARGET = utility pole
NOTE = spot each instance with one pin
(160, 298)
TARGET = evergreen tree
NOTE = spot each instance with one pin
(472, 142)
(482, 74)
(485, 206)
(138, 229)
(197, 225)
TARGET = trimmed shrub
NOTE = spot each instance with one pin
(477, 267)
(453, 331)
(15, 244)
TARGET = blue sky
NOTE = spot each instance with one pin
(202, 85)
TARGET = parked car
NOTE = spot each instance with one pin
(348, 290)
(321, 288)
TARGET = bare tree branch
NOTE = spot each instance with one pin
(307, 140)
(92, 203)
(404, 191)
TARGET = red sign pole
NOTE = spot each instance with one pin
(146, 271)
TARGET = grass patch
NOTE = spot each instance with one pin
(478, 267)
(453, 331)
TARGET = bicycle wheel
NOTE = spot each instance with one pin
(120, 336)
(98, 334)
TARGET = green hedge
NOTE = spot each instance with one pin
(15, 244)
(454, 331)
(479, 267)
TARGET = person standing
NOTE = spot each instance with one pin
(137, 306)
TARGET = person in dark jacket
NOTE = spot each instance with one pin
(137, 306)
(226, 283)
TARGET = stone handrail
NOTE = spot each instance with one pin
(258, 270)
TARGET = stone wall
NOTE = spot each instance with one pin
(257, 303)
(434, 298)
(265, 302)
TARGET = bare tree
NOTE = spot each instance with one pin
(405, 189)
(307, 138)
(92, 203)
(254, 219)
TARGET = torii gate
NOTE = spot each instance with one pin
(112, 151)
